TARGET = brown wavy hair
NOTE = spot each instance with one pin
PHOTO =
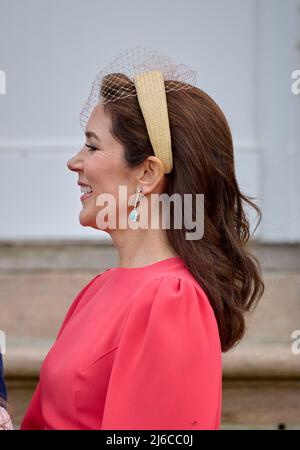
(203, 162)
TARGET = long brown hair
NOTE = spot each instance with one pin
(203, 162)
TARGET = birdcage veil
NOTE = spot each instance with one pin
(116, 80)
(149, 75)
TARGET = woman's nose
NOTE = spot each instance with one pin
(74, 163)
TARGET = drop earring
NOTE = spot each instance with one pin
(134, 213)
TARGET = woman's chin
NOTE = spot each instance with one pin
(85, 219)
(88, 220)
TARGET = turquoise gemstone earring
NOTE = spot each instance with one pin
(134, 213)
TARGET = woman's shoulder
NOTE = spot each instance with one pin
(169, 275)
(170, 290)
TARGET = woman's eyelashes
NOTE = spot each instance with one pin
(91, 147)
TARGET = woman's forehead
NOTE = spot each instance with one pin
(99, 124)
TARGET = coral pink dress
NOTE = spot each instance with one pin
(139, 349)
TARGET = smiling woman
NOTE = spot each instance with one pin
(141, 344)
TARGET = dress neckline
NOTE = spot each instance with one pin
(173, 260)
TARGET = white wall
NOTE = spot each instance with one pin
(244, 52)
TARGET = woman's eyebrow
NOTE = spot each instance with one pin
(91, 134)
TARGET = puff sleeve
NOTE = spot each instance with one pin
(167, 372)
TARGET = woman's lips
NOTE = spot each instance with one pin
(86, 196)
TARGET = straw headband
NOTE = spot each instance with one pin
(152, 99)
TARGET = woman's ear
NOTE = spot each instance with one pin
(152, 177)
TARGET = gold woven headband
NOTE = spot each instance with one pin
(152, 99)
(149, 75)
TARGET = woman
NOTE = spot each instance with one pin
(140, 347)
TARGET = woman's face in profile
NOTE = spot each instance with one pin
(101, 166)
